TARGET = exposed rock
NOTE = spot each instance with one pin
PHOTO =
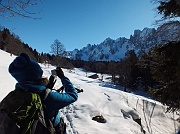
(99, 118)
(94, 76)
(140, 41)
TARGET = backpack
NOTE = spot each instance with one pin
(23, 113)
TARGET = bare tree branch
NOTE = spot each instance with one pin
(22, 8)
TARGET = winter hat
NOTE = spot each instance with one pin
(24, 69)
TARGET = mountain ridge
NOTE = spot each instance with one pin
(140, 41)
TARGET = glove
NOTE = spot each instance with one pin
(52, 81)
(60, 72)
(61, 89)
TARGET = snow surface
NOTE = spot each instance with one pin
(101, 98)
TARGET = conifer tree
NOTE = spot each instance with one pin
(131, 61)
(165, 69)
(169, 8)
(145, 79)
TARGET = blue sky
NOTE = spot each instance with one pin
(77, 23)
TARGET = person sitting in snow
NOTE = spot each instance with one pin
(28, 74)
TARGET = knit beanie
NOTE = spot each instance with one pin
(24, 69)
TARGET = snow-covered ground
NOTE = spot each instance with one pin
(102, 98)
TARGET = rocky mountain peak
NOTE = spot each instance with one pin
(140, 41)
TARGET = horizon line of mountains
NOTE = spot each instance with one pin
(140, 41)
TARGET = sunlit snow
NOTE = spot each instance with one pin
(119, 108)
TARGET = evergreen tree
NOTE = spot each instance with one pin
(145, 79)
(124, 73)
(112, 69)
(169, 8)
(166, 71)
(131, 61)
(100, 67)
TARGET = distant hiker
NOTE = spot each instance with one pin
(29, 78)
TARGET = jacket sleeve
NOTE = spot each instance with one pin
(56, 101)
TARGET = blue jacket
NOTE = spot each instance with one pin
(54, 100)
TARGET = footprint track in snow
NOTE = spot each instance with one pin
(67, 114)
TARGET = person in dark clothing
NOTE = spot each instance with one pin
(28, 74)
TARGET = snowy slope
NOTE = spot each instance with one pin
(102, 98)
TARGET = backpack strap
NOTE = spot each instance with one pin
(44, 118)
(44, 94)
